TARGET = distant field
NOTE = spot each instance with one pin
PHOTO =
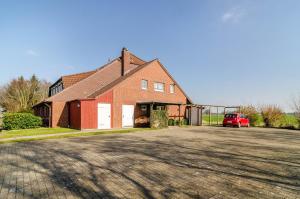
(214, 119)
(288, 120)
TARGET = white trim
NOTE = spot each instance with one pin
(142, 85)
(173, 87)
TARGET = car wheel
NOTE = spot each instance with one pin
(224, 125)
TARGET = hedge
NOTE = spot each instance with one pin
(12, 121)
(159, 119)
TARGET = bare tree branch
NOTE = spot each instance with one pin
(20, 95)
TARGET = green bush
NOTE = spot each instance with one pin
(159, 119)
(12, 121)
(171, 122)
(297, 116)
(181, 122)
(253, 115)
(289, 121)
(184, 122)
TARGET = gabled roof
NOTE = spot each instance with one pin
(95, 83)
(69, 80)
(85, 87)
(122, 78)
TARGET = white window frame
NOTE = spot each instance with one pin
(156, 87)
(172, 88)
(144, 86)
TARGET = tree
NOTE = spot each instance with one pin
(20, 94)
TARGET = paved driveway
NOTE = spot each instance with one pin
(198, 162)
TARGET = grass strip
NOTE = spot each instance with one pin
(78, 134)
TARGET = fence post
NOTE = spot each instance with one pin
(209, 116)
(217, 115)
(201, 115)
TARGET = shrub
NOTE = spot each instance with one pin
(253, 115)
(21, 121)
(297, 115)
(272, 115)
(184, 122)
(289, 121)
(159, 119)
(171, 122)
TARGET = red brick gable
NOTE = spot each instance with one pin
(136, 70)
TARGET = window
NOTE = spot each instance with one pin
(144, 84)
(160, 87)
(230, 115)
(172, 88)
(56, 89)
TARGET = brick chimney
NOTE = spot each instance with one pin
(125, 61)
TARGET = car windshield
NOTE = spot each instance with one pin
(230, 115)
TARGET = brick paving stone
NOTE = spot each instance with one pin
(196, 162)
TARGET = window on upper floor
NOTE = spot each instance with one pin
(160, 87)
(144, 84)
(56, 89)
(172, 88)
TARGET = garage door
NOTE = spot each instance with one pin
(127, 116)
(104, 119)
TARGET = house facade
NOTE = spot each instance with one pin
(119, 94)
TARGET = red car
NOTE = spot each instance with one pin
(236, 119)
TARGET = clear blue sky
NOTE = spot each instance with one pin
(221, 52)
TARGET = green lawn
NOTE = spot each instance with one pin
(33, 132)
(55, 133)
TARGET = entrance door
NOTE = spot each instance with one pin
(127, 116)
(104, 119)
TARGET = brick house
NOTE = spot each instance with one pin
(116, 95)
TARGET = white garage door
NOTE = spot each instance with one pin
(127, 116)
(104, 119)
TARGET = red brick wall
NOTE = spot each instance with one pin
(129, 92)
(60, 114)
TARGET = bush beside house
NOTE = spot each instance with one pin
(159, 119)
(12, 121)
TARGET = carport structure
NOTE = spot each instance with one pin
(200, 114)
(176, 110)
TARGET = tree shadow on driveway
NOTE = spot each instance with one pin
(167, 165)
